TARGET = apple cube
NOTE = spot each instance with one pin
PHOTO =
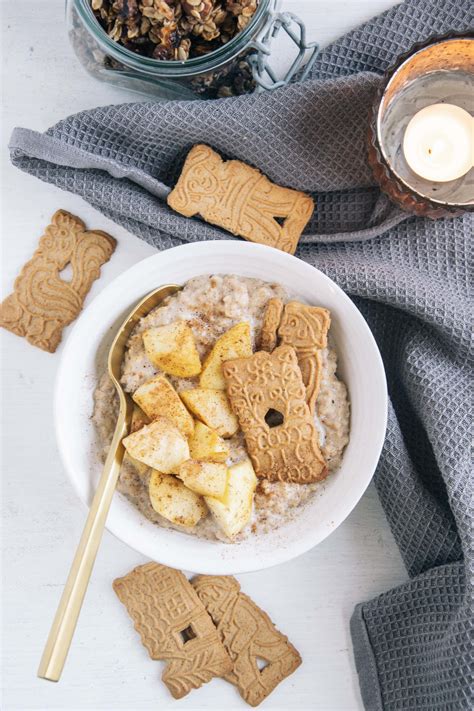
(141, 468)
(159, 445)
(205, 444)
(157, 397)
(213, 408)
(233, 511)
(171, 499)
(235, 343)
(172, 349)
(139, 419)
(205, 478)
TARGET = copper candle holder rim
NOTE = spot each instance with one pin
(383, 172)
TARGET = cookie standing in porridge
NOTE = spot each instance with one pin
(228, 440)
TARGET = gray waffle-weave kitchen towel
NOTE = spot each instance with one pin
(409, 277)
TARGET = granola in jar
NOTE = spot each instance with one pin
(173, 29)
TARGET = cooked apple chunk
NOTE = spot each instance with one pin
(213, 408)
(232, 512)
(206, 445)
(157, 397)
(159, 445)
(140, 468)
(172, 349)
(178, 504)
(139, 419)
(235, 343)
(205, 478)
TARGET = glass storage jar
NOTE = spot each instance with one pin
(237, 67)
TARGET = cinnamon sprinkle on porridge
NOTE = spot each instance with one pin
(210, 306)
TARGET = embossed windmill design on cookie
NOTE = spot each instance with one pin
(267, 393)
(174, 626)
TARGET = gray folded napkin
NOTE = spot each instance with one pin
(409, 277)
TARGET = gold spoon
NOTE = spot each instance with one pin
(64, 624)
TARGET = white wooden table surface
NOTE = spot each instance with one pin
(310, 598)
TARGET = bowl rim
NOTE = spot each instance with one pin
(219, 566)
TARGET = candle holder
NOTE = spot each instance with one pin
(440, 70)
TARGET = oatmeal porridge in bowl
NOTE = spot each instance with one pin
(259, 407)
(219, 485)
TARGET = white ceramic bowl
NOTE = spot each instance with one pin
(360, 366)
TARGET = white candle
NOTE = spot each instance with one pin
(439, 142)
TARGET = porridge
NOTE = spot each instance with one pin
(211, 320)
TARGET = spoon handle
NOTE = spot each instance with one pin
(67, 614)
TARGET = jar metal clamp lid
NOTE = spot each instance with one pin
(240, 65)
(263, 73)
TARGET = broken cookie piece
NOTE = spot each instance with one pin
(271, 321)
(262, 656)
(305, 328)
